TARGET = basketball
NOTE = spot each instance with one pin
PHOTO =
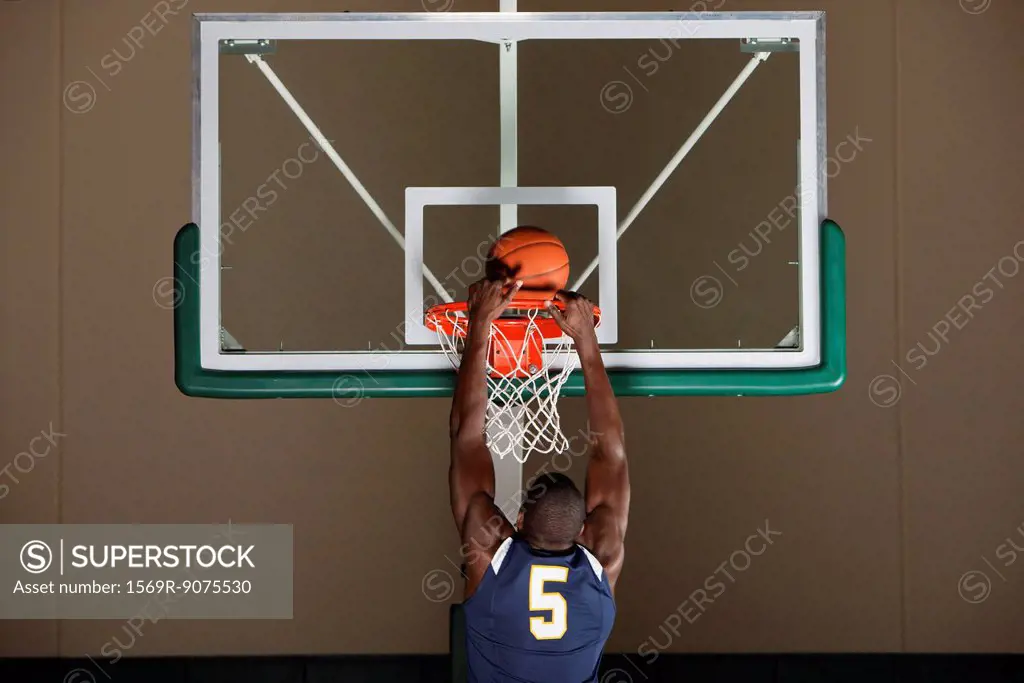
(532, 255)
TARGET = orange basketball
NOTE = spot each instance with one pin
(534, 256)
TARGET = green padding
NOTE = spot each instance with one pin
(351, 386)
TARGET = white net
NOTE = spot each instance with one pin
(523, 388)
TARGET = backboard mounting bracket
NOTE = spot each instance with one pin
(791, 340)
(228, 342)
(252, 46)
(752, 45)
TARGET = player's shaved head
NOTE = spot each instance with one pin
(553, 512)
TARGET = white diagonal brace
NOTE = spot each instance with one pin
(673, 164)
(333, 155)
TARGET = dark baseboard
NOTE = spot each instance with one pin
(616, 668)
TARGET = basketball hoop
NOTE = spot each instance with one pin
(525, 372)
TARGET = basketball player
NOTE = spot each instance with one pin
(539, 599)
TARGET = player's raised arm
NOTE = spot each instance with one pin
(607, 494)
(471, 475)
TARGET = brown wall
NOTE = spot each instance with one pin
(882, 510)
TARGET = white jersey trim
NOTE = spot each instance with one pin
(595, 565)
(499, 555)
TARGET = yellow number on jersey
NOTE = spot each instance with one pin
(542, 628)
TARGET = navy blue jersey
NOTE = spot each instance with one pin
(538, 616)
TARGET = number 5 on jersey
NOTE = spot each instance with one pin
(543, 628)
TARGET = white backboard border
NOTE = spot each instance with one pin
(210, 29)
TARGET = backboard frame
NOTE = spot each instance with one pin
(806, 27)
(349, 388)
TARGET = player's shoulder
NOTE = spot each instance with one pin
(502, 552)
(592, 561)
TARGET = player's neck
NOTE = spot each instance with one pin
(547, 546)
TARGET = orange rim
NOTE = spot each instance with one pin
(452, 318)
